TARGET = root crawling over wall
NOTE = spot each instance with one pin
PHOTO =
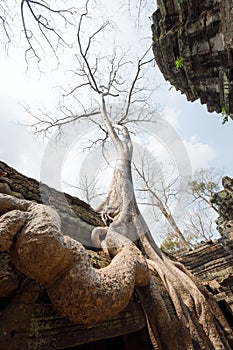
(199, 323)
(61, 264)
(86, 295)
(32, 234)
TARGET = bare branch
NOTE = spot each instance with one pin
(40, 12)
(88, 188)
(45, 122)
(136, 78)
(84, 52)
(156, 201)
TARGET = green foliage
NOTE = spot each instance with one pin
(224, 115)
(179, 62)
(94, 261)
(170, 244)
(199, 187)
(206, 182)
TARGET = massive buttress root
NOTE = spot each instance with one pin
(199, 323)
(61, 264)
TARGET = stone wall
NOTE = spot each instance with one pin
(78, 218)
(199, 33)
(212, 263)
(28, 320)
(224, 202)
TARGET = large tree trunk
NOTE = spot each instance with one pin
(38, 249)
(172, 223)
(199, 323)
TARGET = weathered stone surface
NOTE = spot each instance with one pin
(212, 263)
(78, 218)
(9, 276)
(200, 34)
(224, 202)
(22, 328)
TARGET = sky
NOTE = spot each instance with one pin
(207, 142)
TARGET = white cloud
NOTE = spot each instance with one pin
(172, 115)
(201, 154)
(25, 88)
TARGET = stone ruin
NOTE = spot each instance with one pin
(29, 320)
(224, 203)
(193, 47)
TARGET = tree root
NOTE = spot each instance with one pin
(198, 322)
(78, 291)
(86, 295)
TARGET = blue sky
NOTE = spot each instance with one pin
(205, 137)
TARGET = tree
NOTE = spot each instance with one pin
(87, 188)
(202, 212)
(160, 191)
(198, 323)
(204, 185)
(198, 222)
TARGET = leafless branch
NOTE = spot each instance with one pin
(40, 12)
(204, 184)
(46, 121)
(199, 223)
(156, 199)
(84, 52)
(88, 188)
(140, 64)
(7, 17)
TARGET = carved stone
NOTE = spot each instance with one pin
(199, 34)
(224, 202)
(78, 218)
(29, 321)
(212, 263)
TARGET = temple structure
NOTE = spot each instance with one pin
(29, 320)
(193, 47)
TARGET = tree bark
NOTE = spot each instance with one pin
(199, 323)
(78, 291)
(83, 294)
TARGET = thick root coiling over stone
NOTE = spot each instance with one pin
(198, 323)
(61, 264)
(9, 224)
(96, 295)
(85, 295)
